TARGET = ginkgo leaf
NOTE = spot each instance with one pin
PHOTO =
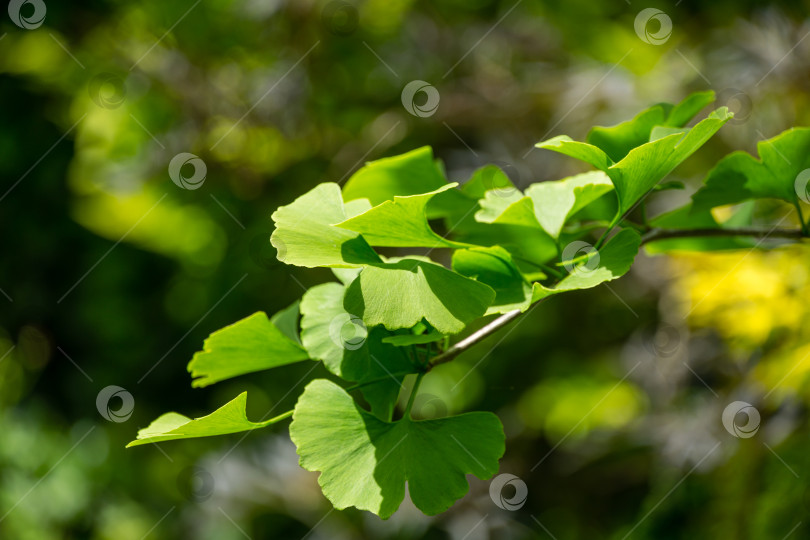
(740, 176)
(252, 344)
(487, 178)
(230, 418)
(400, 223)
(365, 462)
(649, 163)
(616, 141)
(286, 320)
(401, 294)
(351, 351)
(494, 203)
(513, 226)
(612, 261)
(555, 202)
(305, 234)
(494, 267)
(410, 173)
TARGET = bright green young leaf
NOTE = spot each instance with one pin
(401, 294)
(230, 418)
(365, 462)
(400, 223)
(252, 344)
(410, 173)
(555, 202)
(494, 267)
(305, 234)
(351, 351)
(616, 141)
(609, 263)
(740, 176)
(588, 153)
(487, 178)
(286, 320)
(494, 203)
(646, 165)
(515, 228)
(407, 174)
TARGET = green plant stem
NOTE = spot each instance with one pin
(662, 234)
(413, 394)
(655, 234)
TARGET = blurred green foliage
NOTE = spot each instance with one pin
(113, 275)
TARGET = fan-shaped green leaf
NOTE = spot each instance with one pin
(400, 223)
(252, 344)
(349, 350)
(365, 462)
(401, 294)
(740, 176)
(305, 235)
(230, 418)
(494, 267)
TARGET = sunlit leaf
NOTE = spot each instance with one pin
(401, 294)
(230, 418)
(365, 462)
(555, 202)
(740, 176)
(351, 351)
(494, 267)
(400, 223)
(252, 344)
(305, 235)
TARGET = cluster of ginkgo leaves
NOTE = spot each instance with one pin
(404, 314)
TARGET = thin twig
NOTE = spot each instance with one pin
(662, 234)
(474, 338)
